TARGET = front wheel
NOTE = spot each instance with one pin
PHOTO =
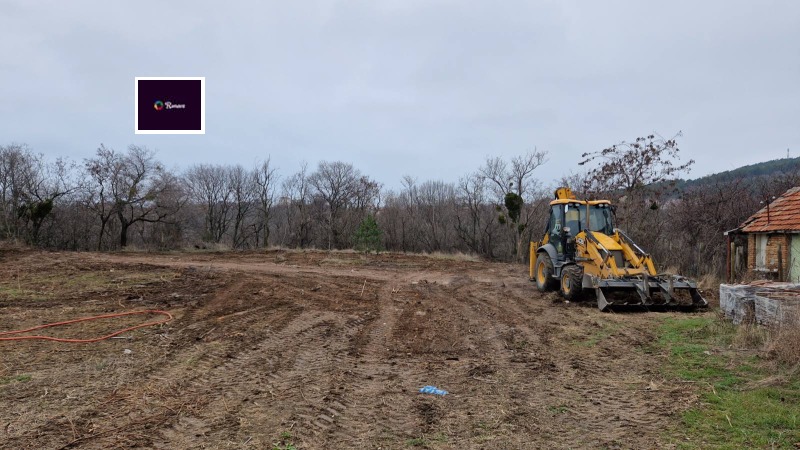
(571, 282)
(544, 273)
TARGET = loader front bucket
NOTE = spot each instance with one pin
(648, 292)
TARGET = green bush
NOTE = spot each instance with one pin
(369, 237)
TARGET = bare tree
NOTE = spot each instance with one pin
(139, 190)
(54, 181)
(630, 165)
(243, 193)
(409, 199)
(336, 183)
(367, 196)
(102, 170)
(295, 201)
(16, 164)
(640, 177)
(390, 220)
(265, 179)
(515, 177)
(697, 222)
(29, 187)
(435, 202)
(210, 186)
(475, 222)
(129, 187)
(511, 184)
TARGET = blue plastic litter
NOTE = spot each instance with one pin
(432, 390)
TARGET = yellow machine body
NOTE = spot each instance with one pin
(577, 255)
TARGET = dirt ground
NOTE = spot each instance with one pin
(322, 350)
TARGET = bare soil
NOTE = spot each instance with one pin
(322, 350)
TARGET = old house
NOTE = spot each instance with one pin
(772, 239)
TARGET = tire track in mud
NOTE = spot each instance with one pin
(317, 419)
(503, 374)
(521, 354)
(353, 411)
(263, 364)
(307, 350)
(603, 407)
(611, 415)
(613, 399)
(318, 412)
(512, 338)
(219, 365)
(169, 381)
(506, 356)
(174, 393)
(382, 404)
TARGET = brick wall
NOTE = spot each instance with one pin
(776, 240)
(773, 242)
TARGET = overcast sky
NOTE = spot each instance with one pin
(427, 88)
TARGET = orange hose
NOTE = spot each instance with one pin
(84, 319)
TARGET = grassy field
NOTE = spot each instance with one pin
(746, 399)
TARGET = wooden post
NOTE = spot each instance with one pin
(787, 270)
(728, 259)
(780, 263)
(731, 261)
(739, 257)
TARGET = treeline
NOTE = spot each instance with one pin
(121, 198)
(128, 198)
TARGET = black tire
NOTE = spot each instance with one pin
(571, 282)
(544, 273)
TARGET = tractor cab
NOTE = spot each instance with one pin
(571, 217)
(600, 217)
(567, 219)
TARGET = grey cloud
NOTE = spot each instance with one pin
(409, 87)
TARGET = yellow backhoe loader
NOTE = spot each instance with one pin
(581, 250)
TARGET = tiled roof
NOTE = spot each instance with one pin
(783, 214)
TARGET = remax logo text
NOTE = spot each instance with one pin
(159, 105)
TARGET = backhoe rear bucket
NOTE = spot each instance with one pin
(649, 292)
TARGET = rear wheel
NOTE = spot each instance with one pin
(544, 273)
(571, 282)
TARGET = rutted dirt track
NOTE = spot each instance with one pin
(322, 350)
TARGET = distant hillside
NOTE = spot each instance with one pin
(753, 171)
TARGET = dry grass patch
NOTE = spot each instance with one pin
(750, 336)
(784, 340)
(456, 256)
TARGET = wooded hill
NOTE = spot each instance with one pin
(750, 172)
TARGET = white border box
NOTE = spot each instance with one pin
(202, 129)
